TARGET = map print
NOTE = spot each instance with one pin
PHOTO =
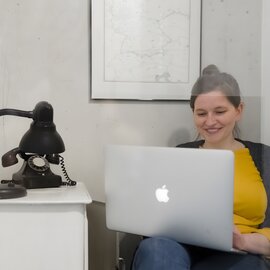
(147, 41)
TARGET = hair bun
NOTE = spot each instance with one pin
(210, 70)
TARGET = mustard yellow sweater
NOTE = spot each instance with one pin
(250, 200)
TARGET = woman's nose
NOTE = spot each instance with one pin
(210, 120)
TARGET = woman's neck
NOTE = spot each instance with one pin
(231, 144)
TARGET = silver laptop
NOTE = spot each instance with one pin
(181, 193)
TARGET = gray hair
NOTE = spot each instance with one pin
(211, 80)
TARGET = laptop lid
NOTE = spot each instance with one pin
(181, 193)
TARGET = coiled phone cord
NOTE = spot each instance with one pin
(68, 182)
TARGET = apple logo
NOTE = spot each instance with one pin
(162, 194)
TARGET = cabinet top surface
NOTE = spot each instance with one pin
(61, 195)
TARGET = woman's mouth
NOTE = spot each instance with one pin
(212, 130)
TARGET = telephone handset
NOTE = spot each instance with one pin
(35, 171)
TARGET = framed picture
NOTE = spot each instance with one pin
(145, 50)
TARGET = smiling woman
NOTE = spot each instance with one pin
(217, 107)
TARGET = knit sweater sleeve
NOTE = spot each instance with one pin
(261, 157)
(266, 181)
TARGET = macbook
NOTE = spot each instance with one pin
(181, 193)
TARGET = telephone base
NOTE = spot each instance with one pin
(36, 177)
(39, 181)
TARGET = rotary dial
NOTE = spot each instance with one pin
(38, 163)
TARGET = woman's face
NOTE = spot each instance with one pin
(215, 117)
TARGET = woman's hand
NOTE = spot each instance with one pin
(251, 242)
(238, 239)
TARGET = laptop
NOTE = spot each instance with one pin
(181, 193)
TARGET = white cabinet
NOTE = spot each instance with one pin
(46, 230)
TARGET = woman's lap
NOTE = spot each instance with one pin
(162, 253)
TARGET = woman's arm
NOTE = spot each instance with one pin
(251, 242)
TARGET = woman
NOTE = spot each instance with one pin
(217, 107)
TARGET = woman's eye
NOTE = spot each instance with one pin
(201, 114)
(220, 112)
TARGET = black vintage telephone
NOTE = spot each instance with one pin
(39, 147)
(35, 171)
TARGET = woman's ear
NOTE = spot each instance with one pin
(239, 110)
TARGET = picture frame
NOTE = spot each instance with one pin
(144, 50)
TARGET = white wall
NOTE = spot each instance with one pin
(265, 127)
(231, 38)
(44, 55)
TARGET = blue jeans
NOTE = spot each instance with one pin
(159, 253)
